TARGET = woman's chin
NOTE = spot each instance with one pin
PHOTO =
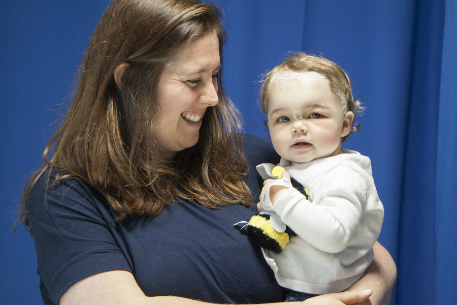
(190, 141)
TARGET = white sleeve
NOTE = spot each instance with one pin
(330, 221)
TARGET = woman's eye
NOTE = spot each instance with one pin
(283, 119)
(193, 82)
(216, 75)
(315, 115)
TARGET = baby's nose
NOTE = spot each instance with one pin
(299, 126)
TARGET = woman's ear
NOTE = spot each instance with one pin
(347, 123)
(119, 73)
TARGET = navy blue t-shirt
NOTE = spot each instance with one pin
(187, 251)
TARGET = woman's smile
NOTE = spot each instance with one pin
(194, 118)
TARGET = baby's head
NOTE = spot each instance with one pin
(310, 107)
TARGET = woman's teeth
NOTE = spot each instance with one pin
(191, 117)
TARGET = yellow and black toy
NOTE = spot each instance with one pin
(261, 232)
(259, 228)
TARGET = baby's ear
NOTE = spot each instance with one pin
(347, 123)
(119, 72)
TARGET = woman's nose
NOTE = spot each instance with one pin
(299, 127)
(210, 96)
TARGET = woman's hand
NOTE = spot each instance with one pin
(347, 297)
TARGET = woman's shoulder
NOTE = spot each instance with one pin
(66, 214)
(59, 187)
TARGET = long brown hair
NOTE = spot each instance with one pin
(104, 139)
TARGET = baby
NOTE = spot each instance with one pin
(310, 109)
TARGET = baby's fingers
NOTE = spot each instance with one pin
(266, 183)
(285, 175)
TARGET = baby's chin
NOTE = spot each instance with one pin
(298, 160)
(301, 162)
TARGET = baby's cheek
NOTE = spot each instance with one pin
(279, 144)
(275, 136)
(331, 139)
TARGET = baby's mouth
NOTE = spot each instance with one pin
(192, 117)
(301, 143)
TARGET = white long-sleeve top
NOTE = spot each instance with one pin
(336, 228)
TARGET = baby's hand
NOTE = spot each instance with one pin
(285, 175)
(275, 191)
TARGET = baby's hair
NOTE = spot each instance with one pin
(300, 63)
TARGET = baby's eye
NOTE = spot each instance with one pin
(283, 119)
(315, 115)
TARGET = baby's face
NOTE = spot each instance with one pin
(317, 134)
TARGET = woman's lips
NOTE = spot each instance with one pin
(192, 117)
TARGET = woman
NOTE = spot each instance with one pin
(148, 172)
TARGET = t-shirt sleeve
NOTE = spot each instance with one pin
(74, 233)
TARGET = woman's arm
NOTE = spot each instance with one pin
(120, 287)
(380, 277)
(114, 287)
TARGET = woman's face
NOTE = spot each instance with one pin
(187, 87)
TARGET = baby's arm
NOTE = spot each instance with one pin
(331, 220)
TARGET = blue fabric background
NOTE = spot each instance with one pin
(400, 55)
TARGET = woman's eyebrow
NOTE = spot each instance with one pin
(201, 71)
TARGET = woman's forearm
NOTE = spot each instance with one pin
(380, 277)
(120, 287)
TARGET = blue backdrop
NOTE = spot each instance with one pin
(400, 55)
